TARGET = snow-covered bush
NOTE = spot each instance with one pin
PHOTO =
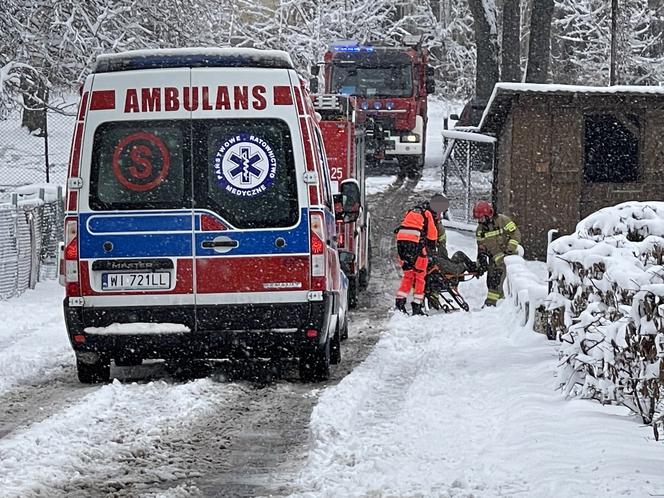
(607, 307)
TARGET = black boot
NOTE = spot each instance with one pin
(417, 309)
(401, 305)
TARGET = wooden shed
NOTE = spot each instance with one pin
(564, 152)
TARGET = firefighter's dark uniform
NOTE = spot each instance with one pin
(415, 235)
(496, 238)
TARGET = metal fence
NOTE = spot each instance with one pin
(32, 227)
(467, 171)
(39, 157)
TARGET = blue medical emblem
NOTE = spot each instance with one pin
(245, 165)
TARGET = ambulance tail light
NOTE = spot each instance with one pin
(70, 257)
(318, 263)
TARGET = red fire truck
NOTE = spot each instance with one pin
(344, 132)
(391, 84)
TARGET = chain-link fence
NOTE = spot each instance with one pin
(36, 157)
(31, 224)
(467, 171)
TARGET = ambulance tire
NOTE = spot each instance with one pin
(314, 366)
(94, 373)
(365, 273)
(335, 347)
(353, 292)
(343, 332)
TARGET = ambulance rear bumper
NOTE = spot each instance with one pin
(222, 331)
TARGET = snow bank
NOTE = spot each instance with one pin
(527, 287)
(608, 306)
(464, 405)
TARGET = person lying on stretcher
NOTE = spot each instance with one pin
(444, 273)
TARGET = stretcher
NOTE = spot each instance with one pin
(441, 290)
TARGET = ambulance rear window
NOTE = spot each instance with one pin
(139, 165)
(247, 174)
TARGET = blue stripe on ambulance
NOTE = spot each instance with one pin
(162, 235)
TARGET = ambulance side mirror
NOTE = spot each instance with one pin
(347, 203)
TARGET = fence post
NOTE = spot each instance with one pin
(48, 169)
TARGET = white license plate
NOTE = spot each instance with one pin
(135, 281)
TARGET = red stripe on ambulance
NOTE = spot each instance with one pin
(102, 100)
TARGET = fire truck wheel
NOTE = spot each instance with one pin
(335, 347)
(353, 292)
(410, 166)
(94, 373)
(315, 365)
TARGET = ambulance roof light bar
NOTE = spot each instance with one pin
(193, 57)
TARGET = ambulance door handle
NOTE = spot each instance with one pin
(211, 244)
(221, 244)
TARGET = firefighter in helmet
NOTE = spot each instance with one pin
(497, 237)
(417, 238)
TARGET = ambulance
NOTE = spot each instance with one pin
(200, 220)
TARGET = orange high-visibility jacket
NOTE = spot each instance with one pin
(417, 224)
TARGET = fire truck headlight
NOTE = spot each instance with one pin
(365, 105)
(410, 138)
(390, 105)
(377, 105)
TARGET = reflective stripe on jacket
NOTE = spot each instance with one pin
(499, 237)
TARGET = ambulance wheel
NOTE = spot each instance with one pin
(315, 365)
(343, 333)
(353, 292)
(365, 273)
(335, 348)
(94, 373)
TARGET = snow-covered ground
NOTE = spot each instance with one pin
(465, 405)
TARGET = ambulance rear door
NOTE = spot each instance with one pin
(136, 218)
(252, 227)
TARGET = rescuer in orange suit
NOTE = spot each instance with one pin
(417, 237)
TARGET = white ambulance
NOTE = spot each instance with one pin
(200, 219)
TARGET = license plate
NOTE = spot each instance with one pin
(135, 281)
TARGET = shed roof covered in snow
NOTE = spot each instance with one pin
(564, 152)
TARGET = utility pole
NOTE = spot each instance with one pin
(613, 75)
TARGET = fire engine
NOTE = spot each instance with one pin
(391, 84)
(344, 136)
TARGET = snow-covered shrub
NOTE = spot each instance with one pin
(607, 307)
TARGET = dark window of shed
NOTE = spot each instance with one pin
(611, 148)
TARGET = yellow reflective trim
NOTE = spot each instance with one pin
(493, 296)
(498, 257)
(442, 237)
(510, 227)
(513, 243)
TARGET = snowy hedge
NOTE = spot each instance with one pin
(607, 307)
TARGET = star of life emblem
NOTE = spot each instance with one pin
(245, 165)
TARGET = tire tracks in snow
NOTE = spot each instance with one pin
(252, 438)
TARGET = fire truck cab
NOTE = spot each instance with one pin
(344, 136)
(391, 84)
